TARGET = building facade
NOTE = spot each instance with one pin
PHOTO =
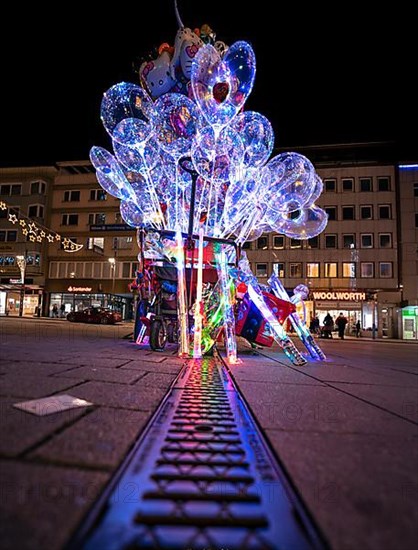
(100, 273)
(25, 195)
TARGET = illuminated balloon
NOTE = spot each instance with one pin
(257, 135)
(122, 101)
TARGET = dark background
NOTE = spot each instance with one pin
(323, 76)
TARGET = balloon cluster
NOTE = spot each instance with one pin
(239, 190)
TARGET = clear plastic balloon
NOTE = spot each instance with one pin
(257, 135)
(109, 174)
(125, 100)
(221, 86)
(175, 123)
(139, 159)
(132, 132)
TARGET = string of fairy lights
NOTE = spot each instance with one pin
(36, 232)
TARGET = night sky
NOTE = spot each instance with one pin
(322, 77)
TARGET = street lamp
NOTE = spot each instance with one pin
(112, 262)
(21, 262)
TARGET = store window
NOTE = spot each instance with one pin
(367, 269)
(330, 269)
(261, 270)
(312, 270)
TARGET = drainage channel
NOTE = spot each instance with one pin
(201, 477)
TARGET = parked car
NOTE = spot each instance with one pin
(102, 315)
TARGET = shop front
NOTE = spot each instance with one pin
(11, 296)
(77, 298)
(410, 323)
(355, 306)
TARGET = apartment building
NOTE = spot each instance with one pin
(24, 197)
(100, 272)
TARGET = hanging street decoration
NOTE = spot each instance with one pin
(35, 231)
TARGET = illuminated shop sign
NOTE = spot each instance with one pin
(79, 289)
(341, 296)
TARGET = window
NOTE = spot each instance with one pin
(330, 269)
(332, 212)
(246, 246)
(94, 243)
(313, 242)
(296, 270)
(36, 211)
(366, 184)
(312, 270)
(2, 236)
(97, 195)
(295, 243)
(385, 240)
(7, 260)
(97, 219)
(126, 270)
(278, 269)
(71, 196)
(348, 213)
(348, 184)
(349, 241)
(330, 241)
(122, 243)
(261, 270)
(37, 187)
(330, 185)
(366, 212)
(383, 184)
(69, 219)
(415, 189)
(278, 241)
(33, 258)
(118, 218)
(385, 270)
(367, 240)
(384, 212)
(11, 189)
(349, 269)
(8, 236)
(262, 243)
(367, 269)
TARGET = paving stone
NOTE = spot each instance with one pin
(158, 379)
(138, 397)
(32, 386)
(103, 374)
(41, 505)
(362, 490)
(315, 409)
(33, 368)
(21, 431)
(99, 439)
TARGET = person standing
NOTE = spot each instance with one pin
(62, 309)
(341, 323)
(358, 328)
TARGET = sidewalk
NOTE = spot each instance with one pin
(345, 430)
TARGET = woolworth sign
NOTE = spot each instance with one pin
(340, 295)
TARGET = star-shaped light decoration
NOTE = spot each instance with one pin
(39, 239)
(3, 205)
(12, 218)
(32, 238)
(22, 223)
(42, 233)
(33, 228)
(50, 238)
(57, 237)
(25, 231)
(66, 243)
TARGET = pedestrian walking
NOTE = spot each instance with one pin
(62, 309)
(341, 323)
(358, 329)
(55, 310)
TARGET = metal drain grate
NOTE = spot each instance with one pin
(200, 478)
